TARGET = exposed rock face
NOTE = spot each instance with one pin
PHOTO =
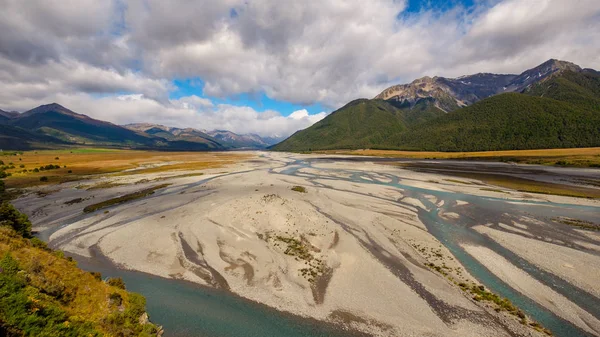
(452, 93)
(540, 73)
(448, 93)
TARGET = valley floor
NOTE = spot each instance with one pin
(380, 248)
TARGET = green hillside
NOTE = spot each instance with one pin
(579, 88)
(361, 123)
(561, 111)
(506, 122)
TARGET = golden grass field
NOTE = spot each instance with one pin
(76, 164)
(578, 157)
(525, 185)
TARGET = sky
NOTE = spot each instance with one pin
(269, 67)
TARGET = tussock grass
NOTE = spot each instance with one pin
(80, 163)
(577, 157)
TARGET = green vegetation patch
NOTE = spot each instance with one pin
(583, 224)
(299, 189)
(123, 199)
(299, 249)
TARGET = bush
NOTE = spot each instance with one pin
(9, 265)
(97, 275)
(37, 243)
(44, 179)
(36, 170)
(299, 189)
(115, 299)
(22, 166)
(11, 217)
(116, 282)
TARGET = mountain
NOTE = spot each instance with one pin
(54, 125)
(15, 138)
(61, 123)
(251, 141)
(7, 115)
(215, 138)
(450, 94)
(361, 123)
(176, 134)
(556, 104)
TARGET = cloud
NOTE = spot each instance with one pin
(95, 54)
(189, 111)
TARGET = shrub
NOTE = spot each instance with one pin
(115, 299)
(299, 189)
(11, 217)
(116, 282)
(22, 166)
(57, 158)
(37, 243)
(9, 265)
(97, 275)
(70, 171)
(36, 170)
(44, 179)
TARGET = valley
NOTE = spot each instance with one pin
(340, 244)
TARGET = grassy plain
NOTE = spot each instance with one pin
(576, 157)
(77, 164)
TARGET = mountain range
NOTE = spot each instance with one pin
(52, 125)
(556, 104)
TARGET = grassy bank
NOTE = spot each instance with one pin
(29, 168)
(43, 293)
(576, 157)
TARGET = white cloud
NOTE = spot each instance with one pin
(89, 53)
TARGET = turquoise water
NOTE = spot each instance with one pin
(185, 309)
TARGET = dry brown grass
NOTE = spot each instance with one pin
(582, 157)
(89, 296)
(527, 185)
(82, 162)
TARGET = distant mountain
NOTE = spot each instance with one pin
(250, 140)
(556, 104)
(221, 138)
(6, 115)
(54, 125)
(176, 135)
(15, 138)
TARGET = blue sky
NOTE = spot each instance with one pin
(258, 101)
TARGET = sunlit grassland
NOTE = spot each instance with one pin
(576, 157)
(76, 164)
(88, 295)
(518, 184)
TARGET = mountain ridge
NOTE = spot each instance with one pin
(453, 93)
(556, 104)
